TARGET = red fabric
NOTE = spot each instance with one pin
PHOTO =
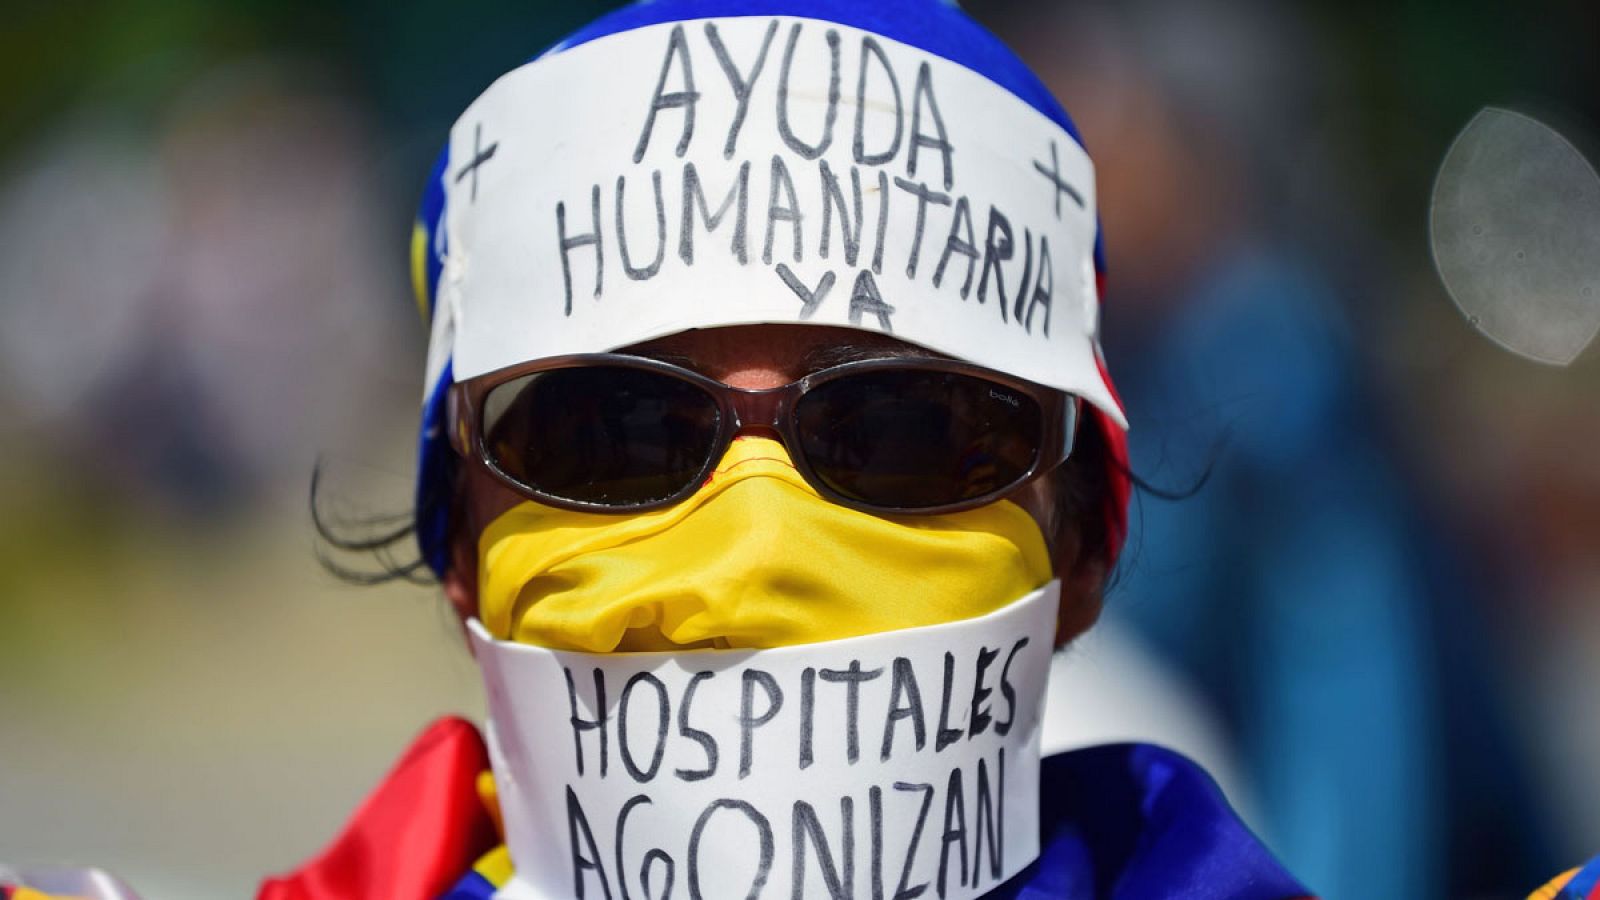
(1116, 508)
(413, 836)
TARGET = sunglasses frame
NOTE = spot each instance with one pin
(771, 409)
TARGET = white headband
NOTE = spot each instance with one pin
(765, 170)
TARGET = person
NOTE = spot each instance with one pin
(763, 571)
(767, 454)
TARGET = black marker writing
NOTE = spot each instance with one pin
(871, 49)
(960, 241)
(978, 713)
(789, 212)
(480, 155)
(650, 860)
(1043, 288)
(1003, 727)
(955, 829)
(923, 95)
(865, 299)
(677, 48)
(706, 741)
(763, 830)
(883, 221)
(580, 724)
(1027, 273)
(882, 136)
(840, 878)
(990, 819)
(946, 735)
(875, 839)
(852, 678)
(578, 829)
(849, 225)
(997, 248)
(622, 830)
(1056, 181)
(808, 151)
(743, 86)
(569, 244)
(901, 891)
(924, 195)
(647, 272)
(905, 702)
(749, 721)
(809, 299)
(663, 716)
(694, 198)
(808, 707)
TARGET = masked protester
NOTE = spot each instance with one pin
(767, 454)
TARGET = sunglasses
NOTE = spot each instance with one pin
(612, 433)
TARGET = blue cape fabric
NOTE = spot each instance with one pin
(1137, 821)
(1123, 822)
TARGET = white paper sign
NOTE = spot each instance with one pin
(857, 768)
(766, 169)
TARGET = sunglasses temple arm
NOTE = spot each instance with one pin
(1069, 426)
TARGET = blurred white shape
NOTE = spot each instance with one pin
(85, 884)
(1108, 687)
(1515, 227)
(83, 232)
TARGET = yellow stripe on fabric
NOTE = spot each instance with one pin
(24, 893)
(1552, 890)
(489, 796)
(419, 271)
(495, 866)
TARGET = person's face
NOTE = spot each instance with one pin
(757, 357)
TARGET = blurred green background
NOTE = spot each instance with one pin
(204, 219)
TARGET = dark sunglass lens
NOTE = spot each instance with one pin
(917, 439)
(609, 435)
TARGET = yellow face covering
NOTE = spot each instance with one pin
(754, 559)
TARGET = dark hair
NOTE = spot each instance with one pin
(365, 549)
(1083, 487)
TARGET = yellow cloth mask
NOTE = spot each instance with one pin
(755, 559)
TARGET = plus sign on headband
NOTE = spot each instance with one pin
(694, 165)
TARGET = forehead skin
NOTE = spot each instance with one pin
(767, 356)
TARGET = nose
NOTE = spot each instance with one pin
(756, 412)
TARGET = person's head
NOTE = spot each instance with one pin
(676, 204)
